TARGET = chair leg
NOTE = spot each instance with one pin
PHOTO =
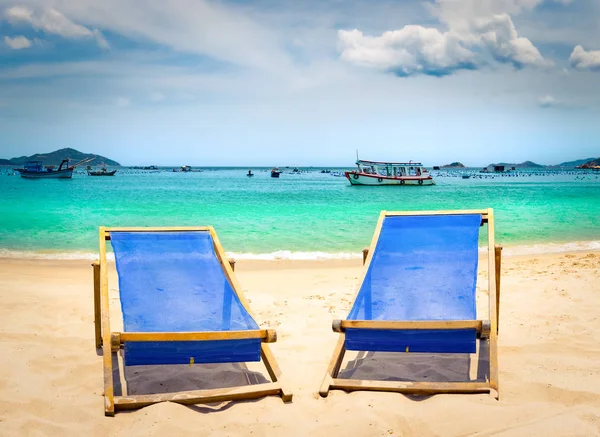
(334, 366)
(275, 372)
(97, 305)
(498, 259)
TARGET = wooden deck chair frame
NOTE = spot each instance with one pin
(484, 328)
(111, 342)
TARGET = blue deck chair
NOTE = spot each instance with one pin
(417, 295)
(181, 304)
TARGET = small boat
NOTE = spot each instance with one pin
(275, 172)
(250, 174)
(466, 176)
(389, 173)
(35, 170)
(103, 172)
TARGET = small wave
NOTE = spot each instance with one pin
(297, 256)
(543, 248)
(533, 249)
(273, 256)
(21, 254)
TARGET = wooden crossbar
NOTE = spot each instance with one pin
(410, 387)
(199, 396)
(266, 335)
(484, 213)
(156, 229)
(342, 325)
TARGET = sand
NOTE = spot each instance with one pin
(51, 374)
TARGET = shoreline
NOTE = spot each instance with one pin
(262, 265)
(311, 256)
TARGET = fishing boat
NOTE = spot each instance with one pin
(35, 170)
(275, 172)
(102, 172)
(250, 174)
(389, 173)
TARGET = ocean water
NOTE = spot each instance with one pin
(308, 215)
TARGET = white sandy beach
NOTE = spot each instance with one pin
(51, 375)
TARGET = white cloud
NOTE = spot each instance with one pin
(101, 40)
(50, 20)
(137, 74)
(17, 43)
(19, 13)
(585, 60)
(547, 101)
(419, 50)
(235, 34)
(499, 35)
(455, 12)
(411, 50)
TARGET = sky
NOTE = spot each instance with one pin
(299, 83)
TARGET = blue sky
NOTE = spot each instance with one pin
(302, 82)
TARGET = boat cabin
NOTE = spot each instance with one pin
(391, 169)
(33, 166)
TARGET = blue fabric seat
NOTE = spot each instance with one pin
(424, 268)
(174, 282)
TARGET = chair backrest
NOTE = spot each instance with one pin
(174, 282)
(423, 268)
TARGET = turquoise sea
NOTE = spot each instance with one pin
(307, 215)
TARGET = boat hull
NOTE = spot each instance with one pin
(357, 178)
(57, 174)
(102, 173)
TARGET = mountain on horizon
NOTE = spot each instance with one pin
(56, 157)
(577, 162)
(526, 164)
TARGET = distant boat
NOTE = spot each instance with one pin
(250, 174)
(35, 170)
(275, 172)
(102, 172)
(376, 173)
(186, 169)
(466, 176)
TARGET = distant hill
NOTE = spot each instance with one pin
(577, 163)
(454, 165)
(55, 158)
(594, 163)
(526, 164)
